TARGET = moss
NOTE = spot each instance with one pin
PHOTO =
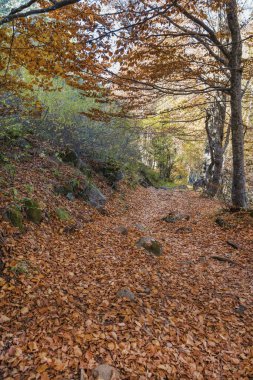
(22, 267)
(15, 216)
(33, 210)
(69, 156)
(154, 248)
(62, 213)
(251, 213)
(73, 186)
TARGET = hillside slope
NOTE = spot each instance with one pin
(187, 314)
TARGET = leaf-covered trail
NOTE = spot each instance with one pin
(191, 317)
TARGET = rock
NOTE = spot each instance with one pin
(84, 167)
(164, 188)
(61, 190)
(23, 143)
(15, 216)
(151, 245)
(140, 227)
(173, 217)
(122, 230)
(240, 309)
(232, 244)
(147, 290)
(81, 165)
(33, 210)
(69, 156)
(70, 196)
(105, 372)
(126, 293)
(84, 190)
(72, 228)
(110, 170)
(200, 183)
(117, 177)
(71, 188)
(184, 230)
(222, 223)
(22, 267)
(145, 182)
(94, 196)
(103, 211)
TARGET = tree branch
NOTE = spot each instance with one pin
(17, 13)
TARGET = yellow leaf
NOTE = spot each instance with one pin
(4, 318)
(42, 368)
(77, 351)
(33, 346)
(24, 310)
(59, 365)
(111, 346)
(44, 376)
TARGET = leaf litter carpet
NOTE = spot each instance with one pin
(191, 317)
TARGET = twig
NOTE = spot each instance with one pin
(223, 259)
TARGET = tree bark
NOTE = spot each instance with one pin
(215, 125)
(239, 196)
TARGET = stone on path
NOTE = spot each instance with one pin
(140, 227)
(105, 372)
(184, 230)
(151, 245)
(173, 217)
(122, 230)
(126, 293)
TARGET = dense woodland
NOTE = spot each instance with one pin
(126, 187)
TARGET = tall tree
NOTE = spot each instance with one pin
(217, 143)
(177, 47)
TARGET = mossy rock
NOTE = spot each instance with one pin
(173, 217)
(74, 186)
(22, 267)
(15, 216)
(33, 210)
(223, 223)
(93, 196)
(23, 143)
(62, 213)
(69, 156)
(62, 190)
(151, 245)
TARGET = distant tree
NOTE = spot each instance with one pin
(164, 154)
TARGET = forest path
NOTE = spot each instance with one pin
(191, 317)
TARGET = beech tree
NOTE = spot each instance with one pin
(36, 48)
(217, 143)
(177, 48)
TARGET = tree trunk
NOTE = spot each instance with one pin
(215, 125)
(239, 197)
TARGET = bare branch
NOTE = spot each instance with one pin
(17, 13)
